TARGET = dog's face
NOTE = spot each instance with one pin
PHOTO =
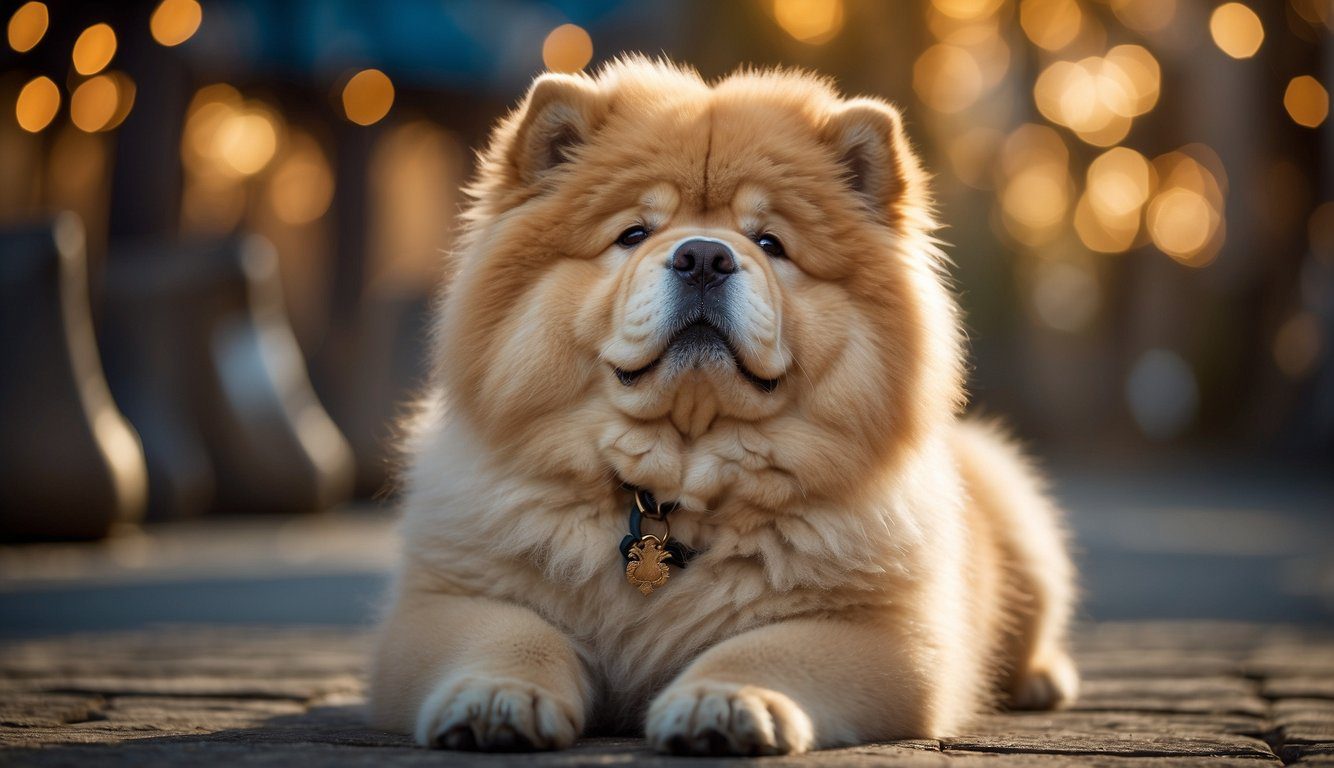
(700, 287)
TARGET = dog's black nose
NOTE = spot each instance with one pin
(704, 264)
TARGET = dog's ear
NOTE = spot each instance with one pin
(559, 113)
(867, 137)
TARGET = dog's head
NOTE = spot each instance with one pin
(671, 279)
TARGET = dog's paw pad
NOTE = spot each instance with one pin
(1050, 686)
(727, 719)
(496, 715)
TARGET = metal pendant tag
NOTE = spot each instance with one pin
(647, 570)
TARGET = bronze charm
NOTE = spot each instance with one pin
(647, 569)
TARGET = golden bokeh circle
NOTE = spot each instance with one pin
(37, 104)
(28, 26)
(567, 48)
(94, 49)
(175, 21)
(368, 96)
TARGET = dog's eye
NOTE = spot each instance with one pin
(771, 245)
(632, 237)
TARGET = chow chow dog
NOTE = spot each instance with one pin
(692, 462)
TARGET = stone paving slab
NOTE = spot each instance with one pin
(1170, 694)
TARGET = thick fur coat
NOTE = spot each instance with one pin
(728, 294)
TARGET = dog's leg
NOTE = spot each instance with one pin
(802, 684)
(474, 673)
(1009, 494)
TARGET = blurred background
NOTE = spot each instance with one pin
(222, 221)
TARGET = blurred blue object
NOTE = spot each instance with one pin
(419, 43)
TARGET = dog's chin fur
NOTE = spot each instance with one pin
(869, 565)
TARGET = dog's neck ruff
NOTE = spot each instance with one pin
(647, 555)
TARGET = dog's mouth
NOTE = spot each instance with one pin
(695, 339)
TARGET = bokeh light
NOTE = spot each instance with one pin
(1035, 186)
(1098, 97)
(1050, 24)
(247, 141)
(1307, 101)
(368, 96)
(1119, 181)
(1163, 394)
(1145, 16)
(972, 154)
(1181, 221)
(1185, 218)
(810, 21)
(94, 49)
(1236, 30)
(967, 10)
(1297, 345)
(37, 104)
(175, 21)
(1107, 217)
(947, 78)
(567, 48)
(302, 184)
(93, 104)
(100, 103)
(1101, 232)
(1065, 295)
(227, 139)
(1139, 71)
(979, 39)
(227, 136)
(1314, 12)
(27, 26)
(125, 93)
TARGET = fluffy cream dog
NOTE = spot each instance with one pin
(726, 294)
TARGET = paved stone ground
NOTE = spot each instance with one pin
(1184, 693)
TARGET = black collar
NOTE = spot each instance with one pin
(643, 504)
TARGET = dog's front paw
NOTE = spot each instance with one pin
(1052, 685)
(723, 718)
(496, 714)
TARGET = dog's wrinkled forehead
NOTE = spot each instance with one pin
(713, 157)
(586, 144)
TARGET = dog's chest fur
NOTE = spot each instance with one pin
(544, 546)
